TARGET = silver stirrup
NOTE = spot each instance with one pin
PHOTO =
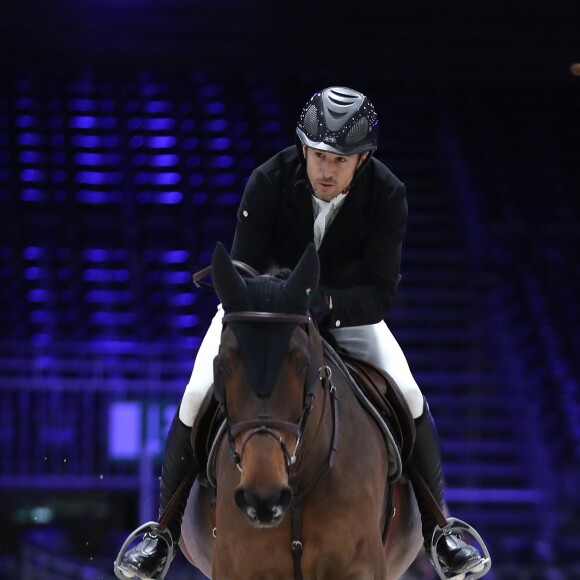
(459, 527)
(153, 529)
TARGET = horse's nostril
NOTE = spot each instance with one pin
(267, 510)
(242, 499)
(285, 497)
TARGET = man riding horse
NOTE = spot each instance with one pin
(328, 189)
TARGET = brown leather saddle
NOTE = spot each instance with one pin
(386, 397)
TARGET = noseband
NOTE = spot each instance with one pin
(264, 425)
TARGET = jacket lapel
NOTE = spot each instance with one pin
(300, 214)
(349, 217)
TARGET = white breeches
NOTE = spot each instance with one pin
(202, 374)
(376, 344)
(373, 342)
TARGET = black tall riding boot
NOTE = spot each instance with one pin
(147, 559)
(454, 554)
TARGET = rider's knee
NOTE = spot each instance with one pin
(190, 404)
(414, 399)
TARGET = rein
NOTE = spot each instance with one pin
(198, 276)
(296, 544)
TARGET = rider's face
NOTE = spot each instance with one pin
(330, 174)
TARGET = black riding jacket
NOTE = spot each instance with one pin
(360, 254)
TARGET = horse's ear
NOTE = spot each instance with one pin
(303, 280)
(228, 283)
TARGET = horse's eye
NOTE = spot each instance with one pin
(225, 369)
(302, 367)
(221, 368)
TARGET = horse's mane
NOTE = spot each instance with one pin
(280, 273)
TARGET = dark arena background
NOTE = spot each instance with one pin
(127, 131)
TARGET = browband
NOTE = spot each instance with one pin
(277, 317)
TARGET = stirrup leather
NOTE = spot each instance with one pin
(459, 527)
(153, 529)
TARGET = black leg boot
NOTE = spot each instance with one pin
(453, 553)
(147, 559)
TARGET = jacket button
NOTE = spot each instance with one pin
(245, 213)
(337, 323)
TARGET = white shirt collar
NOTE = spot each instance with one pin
(324, 214)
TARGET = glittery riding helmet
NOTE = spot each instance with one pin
(339, 120)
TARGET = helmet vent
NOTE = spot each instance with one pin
(343, 99)
(311, 121)
(358, 131)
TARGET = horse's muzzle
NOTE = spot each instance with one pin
(263, 512)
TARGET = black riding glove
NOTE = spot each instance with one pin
(320, 306)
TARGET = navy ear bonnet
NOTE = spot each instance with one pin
(263, 346)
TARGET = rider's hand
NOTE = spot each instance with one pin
(320, 306)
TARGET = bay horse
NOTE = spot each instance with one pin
(301, 469)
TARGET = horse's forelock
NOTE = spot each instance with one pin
(265, 294)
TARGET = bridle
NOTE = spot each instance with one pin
(271, 426)
(318, 374)
(265, 425)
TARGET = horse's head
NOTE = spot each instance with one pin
(265, 375)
